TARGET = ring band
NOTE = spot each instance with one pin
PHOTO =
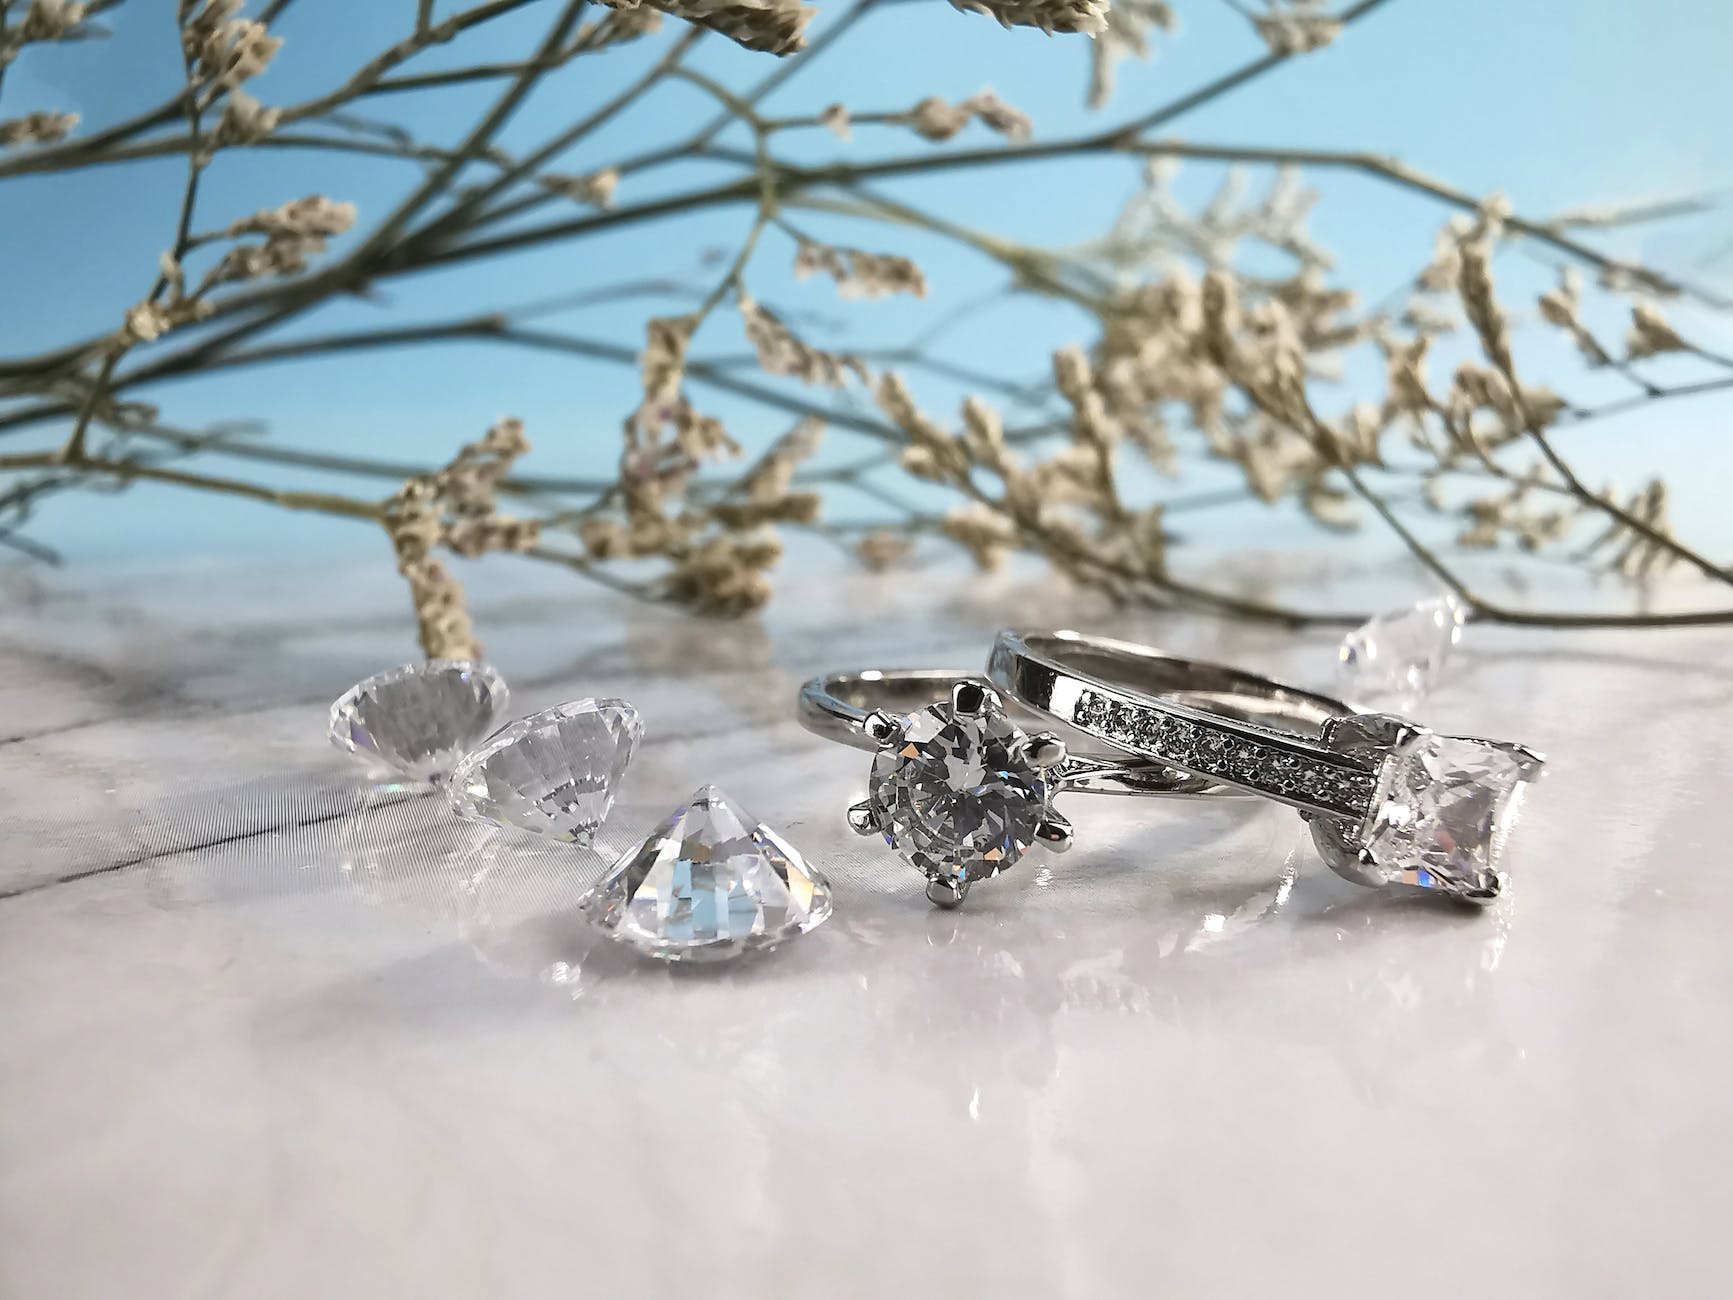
(1188, 712)
(1389, 802)
(962, 790)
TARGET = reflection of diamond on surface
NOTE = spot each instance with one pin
(709, 884)
(958, 798)
(1400, 654)
(554, 773)
(419, 718)
(1443, 806)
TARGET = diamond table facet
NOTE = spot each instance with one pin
(420, 718)
(958, 798)
(709, 884)
(554, 773)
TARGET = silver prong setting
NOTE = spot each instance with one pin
(1055, 833)
(946, 891)
(1045, 750)
(861, 818)
(884, 729)
(970, 699)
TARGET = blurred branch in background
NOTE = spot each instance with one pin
(1218, 330)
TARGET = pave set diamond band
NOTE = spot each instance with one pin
(962, 783)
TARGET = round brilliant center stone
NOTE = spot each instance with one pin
(957, 798)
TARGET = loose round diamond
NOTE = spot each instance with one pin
(710, 883)
(957, 797)
(419, 719)
(554, 773)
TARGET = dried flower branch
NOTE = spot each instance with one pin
(1218, 332)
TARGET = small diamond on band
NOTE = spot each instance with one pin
(1228, 753)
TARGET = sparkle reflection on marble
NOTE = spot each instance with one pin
(266, 1031)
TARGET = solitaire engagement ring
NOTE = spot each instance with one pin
(963, 791)
(1388, 802)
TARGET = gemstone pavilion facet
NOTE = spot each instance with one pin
(1443, 807)
(421, 718)
(710, 883)
(554, 773)
(959, 798)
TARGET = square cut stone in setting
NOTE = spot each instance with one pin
(1443, 807)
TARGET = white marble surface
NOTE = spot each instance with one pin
(265, 1032)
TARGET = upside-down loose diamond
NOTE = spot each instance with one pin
(1399, 656)
(421, 718)
(1443, 807)
(554, 773)
(958, 798)
(710, 883)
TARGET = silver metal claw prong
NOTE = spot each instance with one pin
(1044, 750)
(971, 698)
(885, 729)
(1055, 832)
(861, 819)
(943, 891)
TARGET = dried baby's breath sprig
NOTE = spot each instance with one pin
(292, 233)
(1560, 306)
(772, 26)
(859, 274)
(1126, 34)
(769, 478)
(456, 507)
(983, 531)
(1651, 335)
(932, 453)
(225, 50)
(44, 20)
(595, 190)
(37, 128)
(782, 352)
(725, 574)
(1086, 16)
(881, 550)
(1297, 27)
(244, 120)
(938, 120)
(835, 119)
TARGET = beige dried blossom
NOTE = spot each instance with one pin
(932, 453)
(1086, 16)
(835, 119)
(1480, 304)
(624, 23)
(769, 478)
(1560, 307)
(860, 274)
(1126, 35)
(227, 50)
(49, 20)
(882, 550)
(293, 233)
(1650, 334)
(772, 26)
(725, 574)
(984, 532)
(937, 120)
(595, 190)
(456, 507)
(1297, 27)
(244, 120)
(782, 352)
(37, 128)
